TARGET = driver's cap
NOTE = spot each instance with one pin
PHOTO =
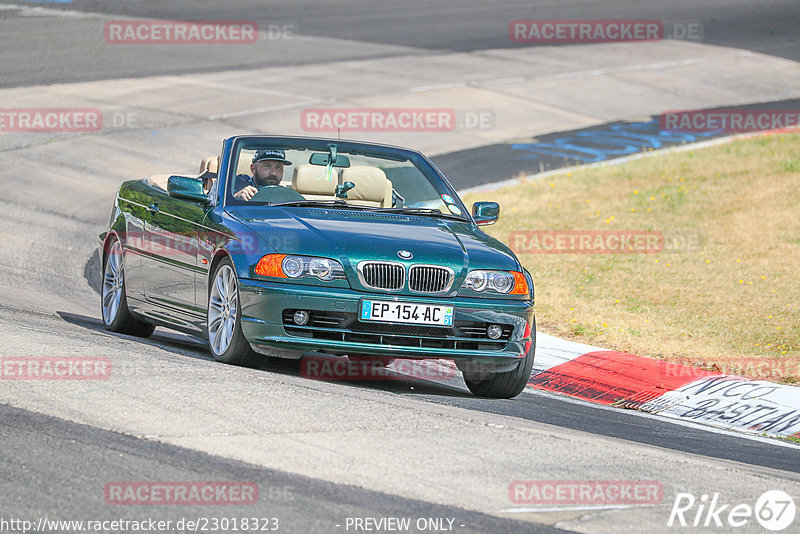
(271, 155)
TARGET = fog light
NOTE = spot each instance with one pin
(494, 331)
(300, 317)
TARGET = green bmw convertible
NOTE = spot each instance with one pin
(293, 246)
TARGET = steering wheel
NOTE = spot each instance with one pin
(276, 193)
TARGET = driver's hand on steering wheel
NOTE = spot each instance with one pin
(246, 193)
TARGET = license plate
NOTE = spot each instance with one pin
(406, 312)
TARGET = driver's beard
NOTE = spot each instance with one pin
(265, 180)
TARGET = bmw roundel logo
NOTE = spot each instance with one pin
(406, 255)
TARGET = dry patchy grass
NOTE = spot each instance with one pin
(724, 291)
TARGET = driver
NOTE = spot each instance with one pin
(267, 169)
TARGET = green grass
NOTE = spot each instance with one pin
(724, 290)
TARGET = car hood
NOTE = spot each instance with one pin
(354, 236)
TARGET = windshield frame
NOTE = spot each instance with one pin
(315, 144)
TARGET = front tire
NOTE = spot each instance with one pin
(505, 385)
(224, 319)
(113, 300)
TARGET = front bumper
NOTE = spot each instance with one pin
(267, 308)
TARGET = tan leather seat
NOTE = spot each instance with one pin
(244, 165)
(311, 182)
(209, 164)
(372, 188)
(209, 169)
(158, 181)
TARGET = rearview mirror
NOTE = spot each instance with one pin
(485, 213)
(320, 158)
(186, 188)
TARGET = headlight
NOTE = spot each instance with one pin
(292, 266)
(321, 268)
(284, 266)
(505, 282)
(501, 282)
(476, 280)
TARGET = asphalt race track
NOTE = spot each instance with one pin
(605, 142)
(304, 504)
(325, 453)
(452, 25)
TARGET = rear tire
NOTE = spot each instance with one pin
(224, 319)
(113, 300)
(505, 385)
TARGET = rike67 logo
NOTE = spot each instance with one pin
(774, 510)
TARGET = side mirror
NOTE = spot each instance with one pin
(485, 213)
(186, 188)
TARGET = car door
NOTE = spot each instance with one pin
(169, 266)
(133, 198)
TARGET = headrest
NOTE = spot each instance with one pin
(210, 164)
(311, 180)
(370, 183)
(244, 165)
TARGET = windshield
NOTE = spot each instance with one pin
(343, 178)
